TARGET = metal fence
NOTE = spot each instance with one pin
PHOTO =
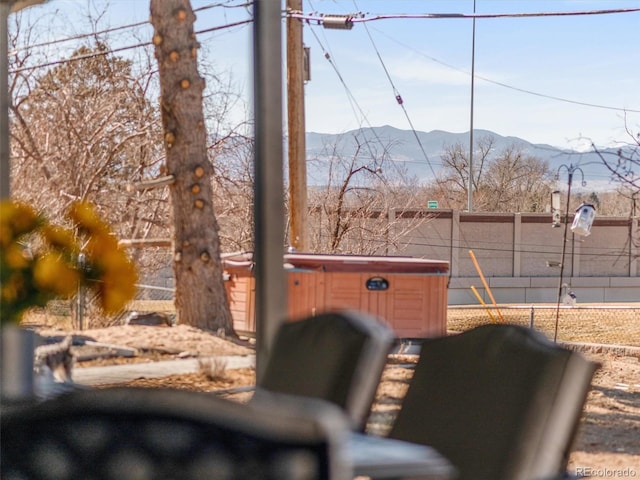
(602, 324)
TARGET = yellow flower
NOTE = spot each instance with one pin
(116, 264)
(60, 238)
(11, 288)
(6, 235)
(99, 245)
(52, 269)
(114, 297)
(86, 217)
(19, 216)
(16, 219)
(52, 273)
(118, 276)
(16, 256)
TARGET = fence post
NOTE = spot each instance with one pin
(80, 297)
(531, 317)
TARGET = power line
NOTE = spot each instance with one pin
(400, 102)
(228, 25)
(78, 58)
(353, 101)
(356, 18)
(223, 5)
(553, 97)
(527, 249)
(362, 18)
(76, 37)
(364, 116)
(120, 27)
(295, 15)
(120, 49)
(505, 85)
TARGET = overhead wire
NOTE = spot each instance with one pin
(400, 102)
(244, 22)
(352, 100)
(120, 27)
(361, 18)
(119, 49)
(502, 247)
(76, 58)
(350, 94)
(505, 85)
(80, 36)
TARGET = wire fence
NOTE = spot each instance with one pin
(82, 312)
(602, 324)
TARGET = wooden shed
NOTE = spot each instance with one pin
(410, 294)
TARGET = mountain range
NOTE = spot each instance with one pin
(420, 153)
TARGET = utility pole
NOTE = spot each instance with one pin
(296, 124)
(473, 78)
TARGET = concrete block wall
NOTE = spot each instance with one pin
(519, 256)
(535, 290)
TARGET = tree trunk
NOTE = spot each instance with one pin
(201, 299)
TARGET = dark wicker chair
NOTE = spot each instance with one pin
(334, 356)
(499, 401)
(133, 433)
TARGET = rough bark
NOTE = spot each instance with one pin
(200, 294)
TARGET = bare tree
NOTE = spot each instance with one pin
(505, 181)
(200, 294)
(624, 162)
(85, 130)
(516, 182)
(233, 190)
(620, 202)
(350, 213)
(455, 160)
(96, 97)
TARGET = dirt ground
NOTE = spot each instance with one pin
(608, 443)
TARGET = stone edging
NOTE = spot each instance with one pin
(622, 350)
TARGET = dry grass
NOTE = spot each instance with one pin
(614, 325)
(606, 325)
(214, 369)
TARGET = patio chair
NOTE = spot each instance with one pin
(499, 401)
(333, 356)
(135, 433)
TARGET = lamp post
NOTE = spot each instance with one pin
(571, 169)
(6, 7)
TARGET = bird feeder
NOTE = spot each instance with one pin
(583, 220)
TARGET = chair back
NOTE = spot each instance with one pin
(499, 401)
(335, 356)
(134, 433)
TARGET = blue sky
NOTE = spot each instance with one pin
(591, 59)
